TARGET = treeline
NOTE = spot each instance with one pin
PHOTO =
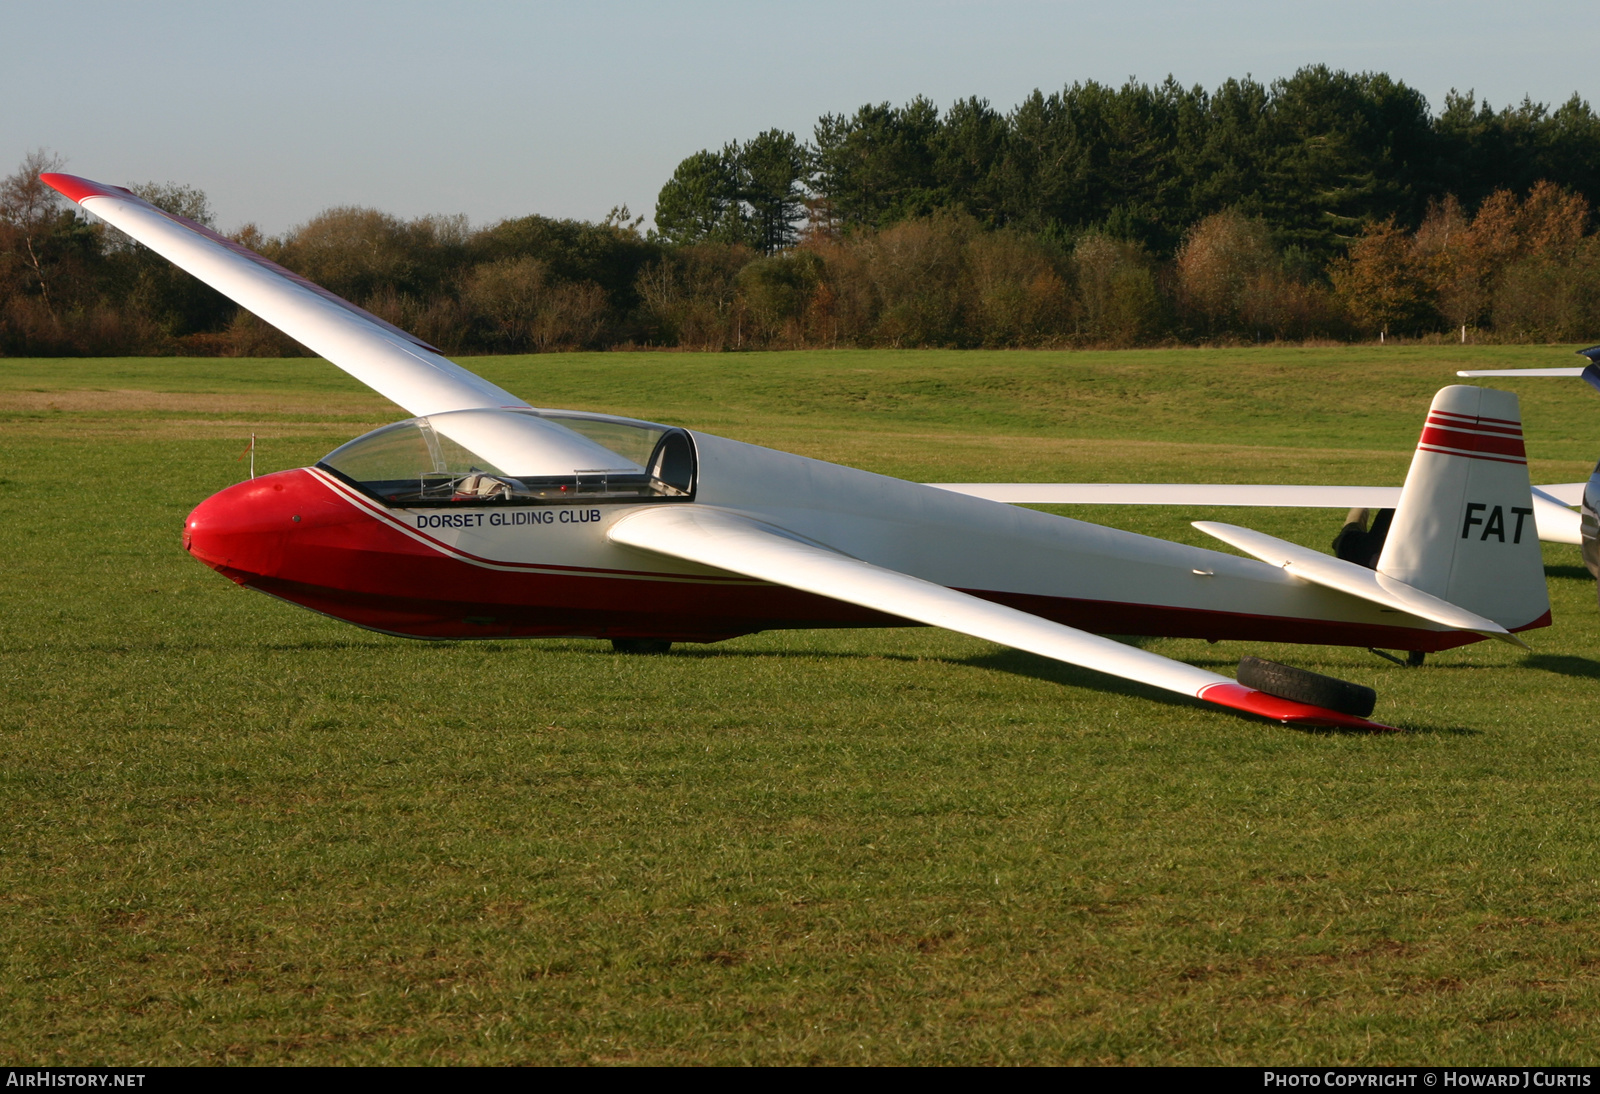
(1316, 156)
(1518, 269)
(1326, 205)
(70, 286)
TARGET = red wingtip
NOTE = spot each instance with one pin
(79, 188)
(1239, 697)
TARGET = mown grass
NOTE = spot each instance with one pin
(237, 831)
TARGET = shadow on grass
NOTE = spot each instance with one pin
(1041, 668)
(718, 652)
(337, 645)
(168, 646)
(1579, 573)
(1404, 729)
(1565, 665)
(595, 647)
(1018, 663)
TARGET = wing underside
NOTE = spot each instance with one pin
(752, 548)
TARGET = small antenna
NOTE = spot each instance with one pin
(249, 450)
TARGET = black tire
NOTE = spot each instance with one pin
(640, 645)
(1306, 687)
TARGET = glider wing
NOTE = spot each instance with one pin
(1589, 372)
(391, 362)
(1561, 493)
(752, 548)
(1148, 493)
(1476, 372)
(1555, 523)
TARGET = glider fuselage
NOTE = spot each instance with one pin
(495, 570)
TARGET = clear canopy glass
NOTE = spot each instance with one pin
(477, 457)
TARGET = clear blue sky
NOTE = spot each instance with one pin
(493, 110)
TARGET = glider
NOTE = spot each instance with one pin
(481, 516)
(1585, 495)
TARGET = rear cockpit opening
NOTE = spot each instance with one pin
(517, 457)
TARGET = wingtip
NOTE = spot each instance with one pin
(1250, 701)
(78, 188)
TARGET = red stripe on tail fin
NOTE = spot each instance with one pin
(1473, 442)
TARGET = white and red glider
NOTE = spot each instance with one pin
(484, 517)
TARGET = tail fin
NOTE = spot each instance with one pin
(1464, 530)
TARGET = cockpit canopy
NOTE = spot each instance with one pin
(529, 457)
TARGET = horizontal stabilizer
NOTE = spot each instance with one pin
(741, 545)
(1357, 581)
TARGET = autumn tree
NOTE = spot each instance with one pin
(1119, 300)
(1381, 283)
(1224, 260)
(691, 296)
(525, 308)
(1472, 262)
(360, 253)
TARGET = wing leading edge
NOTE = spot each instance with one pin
(741, 545)
(393, 363)
(1159, 493)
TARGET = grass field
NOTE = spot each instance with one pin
(235, 831)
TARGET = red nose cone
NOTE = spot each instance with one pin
(244, 531)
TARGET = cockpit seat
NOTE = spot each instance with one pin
(480, 486)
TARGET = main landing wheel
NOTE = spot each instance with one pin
(1306, 687)
(640, 645)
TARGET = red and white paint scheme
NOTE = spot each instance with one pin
(483, 517)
